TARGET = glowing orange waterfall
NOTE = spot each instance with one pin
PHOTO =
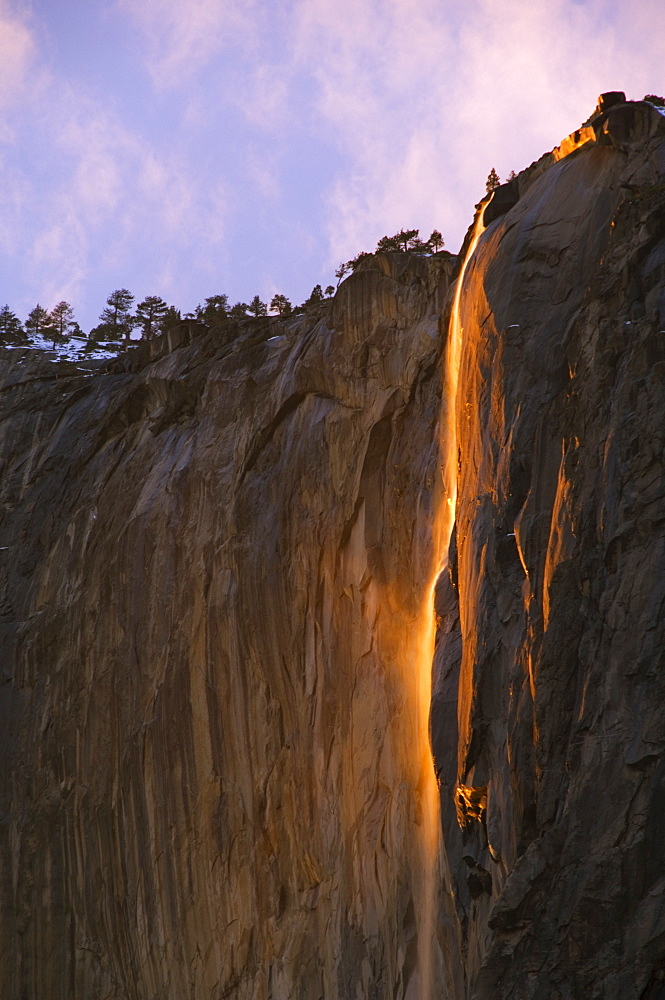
(444, 519)
(449, 419)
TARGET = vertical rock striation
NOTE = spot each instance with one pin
(213, 571)
(550, 681)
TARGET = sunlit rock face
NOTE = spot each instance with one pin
(213, 568)
(549, 723)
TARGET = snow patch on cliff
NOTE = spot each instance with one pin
(75, 349)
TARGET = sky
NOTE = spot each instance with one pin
(189, 148)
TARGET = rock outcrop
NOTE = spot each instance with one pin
(216, 570)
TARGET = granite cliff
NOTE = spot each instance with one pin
(549, 718)
(217, 560)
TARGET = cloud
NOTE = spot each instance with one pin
(179, 39)
(17, 53)
(113, 205)
(426, 97)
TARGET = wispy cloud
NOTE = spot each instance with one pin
(17, 52)
(179, 39)
(427, 97)
(112, 202)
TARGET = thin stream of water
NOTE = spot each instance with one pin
(444, 520)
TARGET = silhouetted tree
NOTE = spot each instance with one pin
(214, 310)
(358, 259)
(61, 322)
(511, 176)
(315, 297)
(342, 270)
(330, 290)
(435, 241)
(37, 321)
(149, 315)
(388, 244)
(256, 307)
(170, 319)
(11, 328)
(116, 318)
(281, 305)
(239, 310)
(405, 241)
(102, 332)
(492, 181)
(406, 237)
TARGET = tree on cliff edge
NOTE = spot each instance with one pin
(38, 321)
(11, 328)
(281, 305)
(492, 181)
(238, 310)
(256, 307)
(117, 322)
(214, 311)
(436, 241)
(150, 315)
(61, 323)
(316, 296)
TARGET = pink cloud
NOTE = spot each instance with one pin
(17, 53)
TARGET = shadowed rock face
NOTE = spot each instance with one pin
(550, 679)
(213, 571)
(214, 567)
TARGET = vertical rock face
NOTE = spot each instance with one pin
(550, 679)
(213, 575)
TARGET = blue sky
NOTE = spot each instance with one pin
(186, 148)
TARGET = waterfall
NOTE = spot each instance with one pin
(444, 520)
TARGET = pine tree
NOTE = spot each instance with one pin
(402, 242)
(116, 319)
(150, 314)
(61, 320)
(492, 181)
(405, 237)
(239, 310)
(388, 244)
(256, 307)
(436, 241)
(37, 321)
(214, 310)
(342, 270)
(170, 319)
(281, 305)
(11, 328)
(358, 259)
(315, 297)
